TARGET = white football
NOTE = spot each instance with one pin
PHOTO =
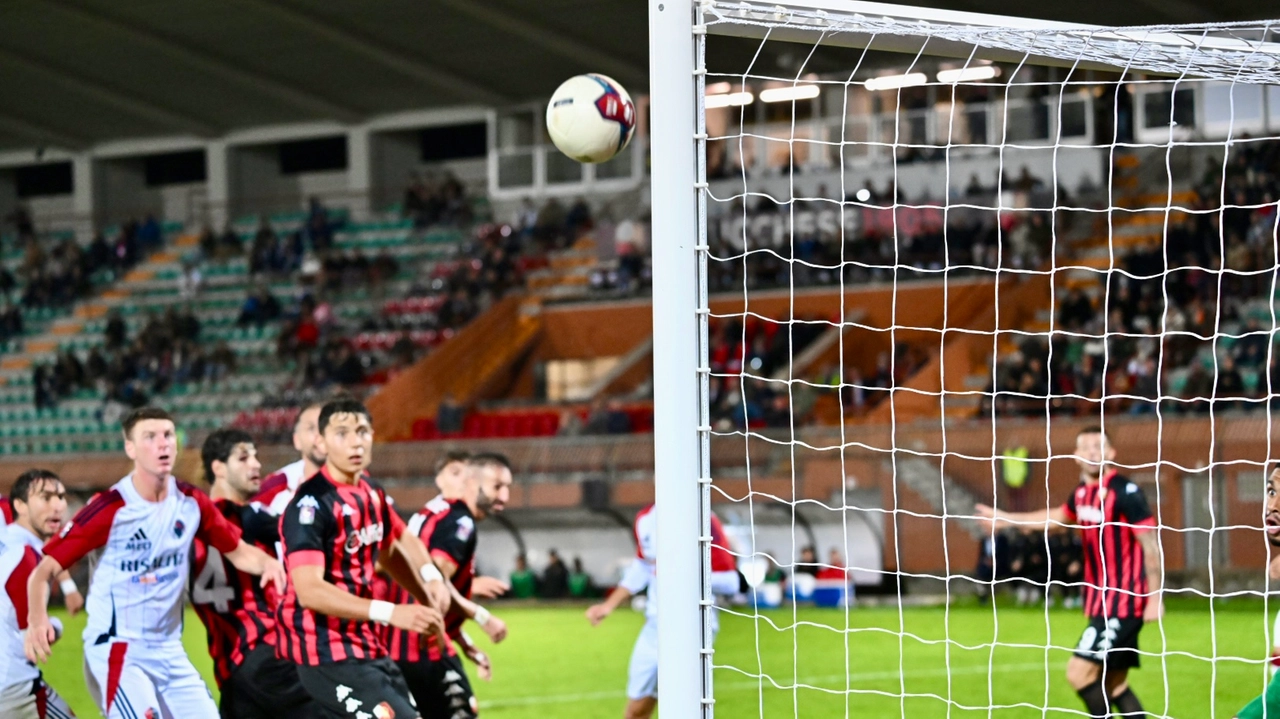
(591, 118)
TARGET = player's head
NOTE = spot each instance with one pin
(231, 462)
(451, 473)
(346, 432)
(489, 480)
(150, 440)
(306, 434)
(1093, 450)
(39, 502)
(1272, 518)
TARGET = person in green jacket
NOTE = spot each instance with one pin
(524, 585)
(1268, 704)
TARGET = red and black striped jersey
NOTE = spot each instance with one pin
(1110, 514)
(448, 529)
(237, 611)
(340, 528)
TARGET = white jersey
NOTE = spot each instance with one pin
(278, 488)
(19, 555)
(642, 574)
(137, 591)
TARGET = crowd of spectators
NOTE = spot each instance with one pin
(1176, 329)
(128, 371)
(1032, 566)
(431, 200)
(556, 581)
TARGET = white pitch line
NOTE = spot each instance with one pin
(742, 685)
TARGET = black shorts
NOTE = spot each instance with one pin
(265, 687)
(441, 688)
(1112, 642)
(370, 686)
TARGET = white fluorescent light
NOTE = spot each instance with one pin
(718, 88)
(733, 99)
(969, 74)
(893, 82)
(787, 94)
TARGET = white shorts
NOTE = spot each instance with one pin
(135, 680)
(642, 673)
(33, 700)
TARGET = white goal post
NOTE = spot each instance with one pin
(681, 249)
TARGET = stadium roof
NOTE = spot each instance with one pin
(74, 73)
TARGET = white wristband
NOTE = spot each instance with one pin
(482, 616)
(380, 611)
(430, 573)
(69, 587)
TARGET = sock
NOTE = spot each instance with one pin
(1127, 704)
(1095, 700)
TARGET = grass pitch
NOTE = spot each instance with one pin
(826, 663)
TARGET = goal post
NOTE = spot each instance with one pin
(709, 238)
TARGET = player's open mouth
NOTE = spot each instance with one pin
(1273, 525)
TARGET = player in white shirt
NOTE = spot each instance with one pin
(135, 663)
(39, 503)
(641, 575)
(278, 488)
(70, 592)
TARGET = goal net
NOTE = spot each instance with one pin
(904, 257)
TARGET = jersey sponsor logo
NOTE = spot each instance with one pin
(138, 542)
(168, 559)
(364, 536)
(178, 528)
(1090, 515)
(466, 526)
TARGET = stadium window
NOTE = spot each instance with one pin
(318, 155)
(44, 180)
(1156, 104)
(454, 142)
(175, 168)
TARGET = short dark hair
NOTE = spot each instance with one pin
(490, 459)
(341, 405)
(218, 447)
(1092, 429)
(134, 416)
(308, 406)
(21, 489)
(453, 455)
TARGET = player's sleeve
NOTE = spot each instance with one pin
(453, 538)
(305, 530)
(16, 586)
(637, 576)
(1069, 508)
(87, 531)
(391, 519)
(214, 528)
(6, 511)
(1132, 503)
(260, 526)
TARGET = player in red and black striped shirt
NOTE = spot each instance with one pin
(1123, 572)
(448, 527)
(237, 611)
(333, 532)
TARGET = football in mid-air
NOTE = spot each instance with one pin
(591, 118)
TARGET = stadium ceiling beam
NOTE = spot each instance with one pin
(125, 101)
(215, 65)
(625, 72)
(410, 66)
(41, 134)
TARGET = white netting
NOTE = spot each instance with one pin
(935, 251)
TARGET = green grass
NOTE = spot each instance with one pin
(554, 664)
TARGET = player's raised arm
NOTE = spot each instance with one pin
(1037, 520)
